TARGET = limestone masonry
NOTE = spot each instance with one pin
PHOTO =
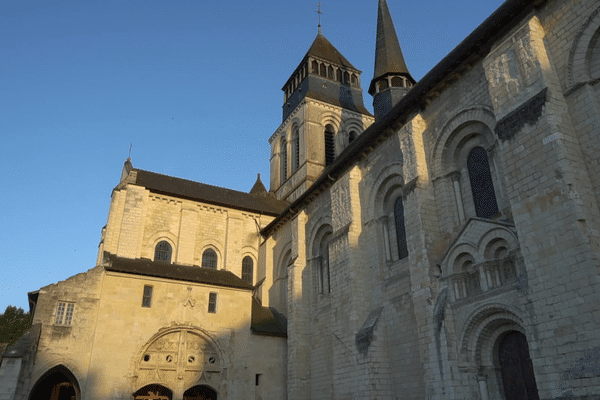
(444, 248)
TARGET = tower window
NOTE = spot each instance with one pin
(322, 70)
(400, 229)
(315, 68)
(248, 269)
(330, 73)
(209, 259)
(397, 81)
(162, 252)
(147, 296)
(212, 303)
(283, 160)
(482, 186)
(351, 136)
(295, 148)
(346, 77)
(64, 313)
(329, 145)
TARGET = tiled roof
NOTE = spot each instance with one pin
(146, 267)
(183, 188)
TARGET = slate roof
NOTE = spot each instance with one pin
(388, 55)
(349, 103)
(267, 321)
(183, 188)
(25, 343)
(197, 274)
(323, 49)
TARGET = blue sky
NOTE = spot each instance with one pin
(193, 85)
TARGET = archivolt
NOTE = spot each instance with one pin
(577, 67)
(479, 113)
(330, 118)
(480, 328)
(391, 175)
(322, 221)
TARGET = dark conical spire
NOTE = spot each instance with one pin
(388, 55)
(258, 189)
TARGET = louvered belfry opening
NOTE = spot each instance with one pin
(329, 145)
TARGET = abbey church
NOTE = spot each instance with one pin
(446, 247)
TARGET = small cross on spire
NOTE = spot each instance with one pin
(319, 12)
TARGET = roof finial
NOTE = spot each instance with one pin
(129, 156)
(319, 12)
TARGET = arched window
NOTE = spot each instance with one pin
(351, 136)
(248, 269)
(482, 186)
(324, 274)
(322, 70)
(209, 259)
(330, 73)
(329, 145)
(397, 81)
(162, 252)
(283, 160)
(280, 284)
(295, 148)
(315, 68)
(320, 252)
(346, 77)
(400, 229)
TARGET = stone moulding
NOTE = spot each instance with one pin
(528, 113)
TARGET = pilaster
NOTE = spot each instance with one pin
(298, 340)
(187, 229)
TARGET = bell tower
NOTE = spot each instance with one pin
(323, 112)
(391, 80)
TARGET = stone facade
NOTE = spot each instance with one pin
(454, 234)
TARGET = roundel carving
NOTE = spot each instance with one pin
(179, 355)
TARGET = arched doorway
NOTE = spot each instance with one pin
(153, 392)
(56, 384)
(200, 392)
(516, 368)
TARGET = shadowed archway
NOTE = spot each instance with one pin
(153, 391)
(516, 368)
(200, 392)
(56, 384)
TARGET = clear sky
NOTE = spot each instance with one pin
(194, 85)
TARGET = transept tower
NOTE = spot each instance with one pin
(323, 112)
